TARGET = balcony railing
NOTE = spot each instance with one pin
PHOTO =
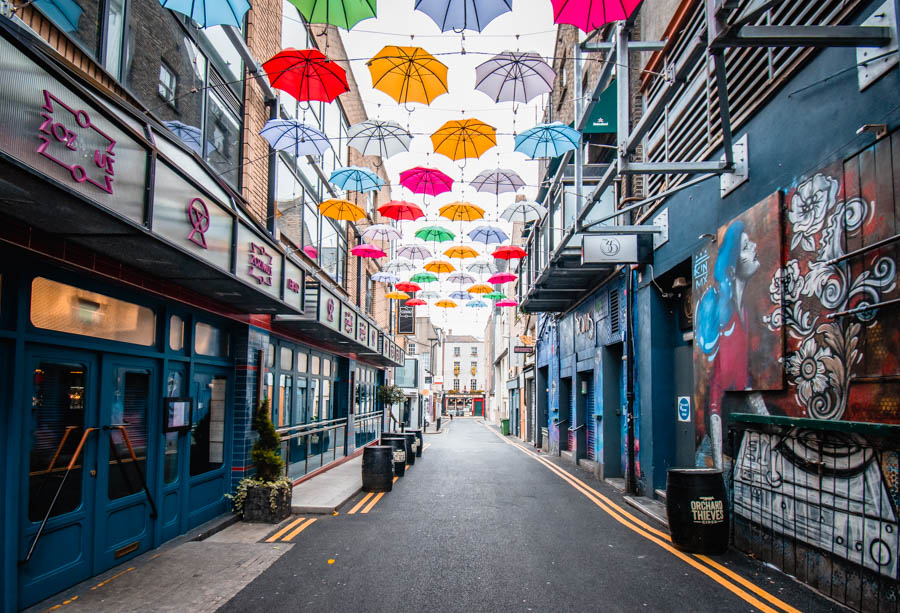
(307, 447)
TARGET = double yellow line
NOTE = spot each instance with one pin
(291, 530)
(715, 571)
(371, 498)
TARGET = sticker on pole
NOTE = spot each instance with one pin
(684, 408)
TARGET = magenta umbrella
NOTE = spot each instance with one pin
(589, 15)
(502, 277)
(429, 181)
(368, 251)
(508, 302)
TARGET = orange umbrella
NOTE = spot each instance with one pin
(461, 211)
(461, 251)
(446, 304)
(439, 266)
(480, 288)
(408, 74)
(342, 210)
(396, 295)
(464, 138)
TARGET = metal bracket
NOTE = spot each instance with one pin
(874, 63)
(6, 9)
(660, 221)
(730, 181)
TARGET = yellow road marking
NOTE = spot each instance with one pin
(360, 503)
(426, 446)
(748, 584)
(372, 504)
(105, 581)
(302, 527)
(281, 532)
(395, 480)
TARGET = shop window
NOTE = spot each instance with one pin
(287, 358)
(326, 399)
(211, 341)
(302, 358)
(174, 389)
(326, 367)
(314, 396)
(270, 355)
(168, 83)
(176, 333)
(65, 308)
(82, 26)
(208, 429)
(129, 409)
(300, 401)
(285, 389)
(314, 365)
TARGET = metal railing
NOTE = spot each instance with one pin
(367, 427)
(307, 447)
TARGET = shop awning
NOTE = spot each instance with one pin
(603, 115)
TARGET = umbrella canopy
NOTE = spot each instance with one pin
(488, 235)
(480, 288)
(396, 295)
(495, 296)
(294, 137)
(408, 286)
(589, 15)
(461, 251)
(367, 251)
(502, 277)
(523, 211)
(461, 277)
(400, 265)
(64, 13)
(429, 295)
(415, 302)
(341, 13)
(481, 267)
(356, 179)
(311, 251)
(341, 210)
(385, 277)
(439, 267)
(509, 252)
(446, 304)
(379, 137)
(463, 14)
(459, 139)
(191, 136)
(428, 181)
(435, 234)
(381, 232)
(497, 181)
(423, 277)
(514, 76)
(306, 74)
(460, 295)
(547, 140)
(408, 74)
(461, 211)
(400, 210)
(414, 252)
(507, 302)
(478, 304)
(207, 13)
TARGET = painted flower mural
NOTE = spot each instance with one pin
(807, 369)
(809, 206)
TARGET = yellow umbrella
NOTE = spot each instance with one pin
(461, 251)
(395, 295)
(408, 74)
(480, 288)
(342, 210)
(439, 266)
(446, 304)
(464, 138)
(461, 211)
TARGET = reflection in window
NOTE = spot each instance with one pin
(326, 399)
(301, 361)
(300, 402)
(174, 389)
(326, 367)
(176, 333)
(82, 26)
(129, 409)
(223, 140)
(314, 365)
(285, 387)
(289, 198)
(208, 430)
(314, 396)
(209, 340)
(287, 358)
(167, 84)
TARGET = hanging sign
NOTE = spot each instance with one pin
(406, 318)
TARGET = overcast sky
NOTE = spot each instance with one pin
(396, 22)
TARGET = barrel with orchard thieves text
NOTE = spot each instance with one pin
(697, 508)
(378, 468)
(398, 453)
(420, 438)
(411, 444)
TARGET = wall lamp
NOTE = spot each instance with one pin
(708, 237)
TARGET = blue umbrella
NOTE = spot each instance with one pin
(478, 304)
(385, 277)
(191, 136)
(547, 140)
(209, 13)
(356, 179)
(463, 14)
(488, 235)
(64, 13)
(294, 137)
(460, 295)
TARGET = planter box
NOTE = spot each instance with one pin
(258, 508)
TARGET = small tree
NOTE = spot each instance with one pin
(390, 395)
(265, 450)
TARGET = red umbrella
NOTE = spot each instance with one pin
(368, 251)
(428, 181)
(400, 210)
(408, 286)
(306, 74)
(502, 277)
(591, 14)
(415, 302)
(509, 252)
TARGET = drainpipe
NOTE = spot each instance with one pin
(631, 475)
(270, 190)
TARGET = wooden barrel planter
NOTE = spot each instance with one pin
(421, 440)
(378, 468)
(697, 509)
(398, 452)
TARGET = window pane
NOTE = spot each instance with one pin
(287, 358)
(326, 399)
(285, 388)
(209, 340)
(326, 367)
(314, 365)
(289, 197)
(115, 30)
(300, 402)
(80, 23)
(314, 396)
(328, 249)
(174, 389)
(223, 140)
(176, 333)
(301, 361)
(129, 409)
(64, 308)
(270, 355)
(208, 430)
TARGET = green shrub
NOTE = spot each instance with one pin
(265, 453)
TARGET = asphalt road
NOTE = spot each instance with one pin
(479, 524)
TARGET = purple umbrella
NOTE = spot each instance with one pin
(514, 77)
(463, 14)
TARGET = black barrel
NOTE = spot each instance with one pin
(378, 468)
(398, 444)
(421, 440)
(697, 508)
(410, 439)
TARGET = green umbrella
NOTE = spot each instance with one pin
(423, 277)
(495, 296)
(341, 13)
(436, 234)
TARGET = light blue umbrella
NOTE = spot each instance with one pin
(209, 13)
(547, 140)
(192, 136)
(488, 235)
(294, 137)
(463, 14)
(385, 277)
(478, 304)
(65, 13)
(460, 295)
(356, 179)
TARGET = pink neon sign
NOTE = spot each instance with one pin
(260, 264)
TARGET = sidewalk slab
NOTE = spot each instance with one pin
(327, 491)
(649, 507)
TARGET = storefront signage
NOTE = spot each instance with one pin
(406, 318)
(362, 331)
(198, 216)
(373, 338)
(293, 285)
(348, 321)
(615, 248)
(260, 264)
(329, 312)
(523, 349)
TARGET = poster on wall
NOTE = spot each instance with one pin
(406, 318)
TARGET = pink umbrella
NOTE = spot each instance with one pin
(589, 15)
(509, 302)
(428, 181)
(311, 251)
(502, 277)
(368, 251)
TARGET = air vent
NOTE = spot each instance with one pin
(614, 312)
(225, 92)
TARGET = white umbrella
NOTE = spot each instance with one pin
(414, 252)
(379, 137)
(514, 76)
(523, 211)
(400, 266)
(381, 232)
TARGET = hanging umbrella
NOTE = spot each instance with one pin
(64, 13)
(408, 74)
(547, 140)
(356, 179)
(423, 277)
(509, 252)
(461, 277)
(429, 181)
(445, 304)
(306, 74)
(191, 136)
(460, 295)
(367, 251)
(379, 137)
(480, 288)
(294, 137)
(495, 296)
(461, 211)
(381, 232)
(507, 302)
(429, 295)
(400, 210)
(461, 15)
(523, 211)
(497, 181)
(408, 286)
(311, 251)
(341, 13)
(459, 139)
(439, 266)
(400, 265)
(396, 295)
(481, 267)
(414, 252)
(502, 277)
(435, 234)
(589, 15)
(514, 76)
(461, 252)
(341, 210)
(208, 13)
(478, 304)
(385, 277)
(416, 302)
(488, 235)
